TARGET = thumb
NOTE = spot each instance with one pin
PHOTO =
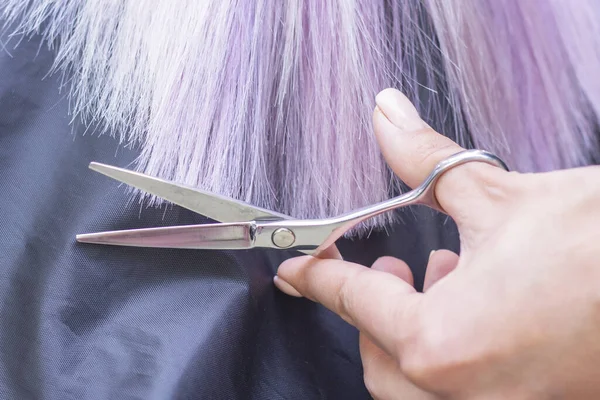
(413, 149)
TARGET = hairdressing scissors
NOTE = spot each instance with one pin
(243, 226)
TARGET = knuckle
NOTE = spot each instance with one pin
(482, 194)
(443, 365)
(371, 381)
(344, 302)
(421, 370)
(372, 361)
(430, 358)
(376, 377)
(425, 372)
(503, 187)
(431, 150)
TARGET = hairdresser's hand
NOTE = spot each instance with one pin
(516, 317)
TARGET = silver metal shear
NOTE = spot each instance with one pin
(244, 226)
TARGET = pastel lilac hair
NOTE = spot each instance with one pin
(271, 101)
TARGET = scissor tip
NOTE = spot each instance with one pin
(89, 238)
(95, 166)
(82, 238)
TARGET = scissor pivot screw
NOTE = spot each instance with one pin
(283, 238)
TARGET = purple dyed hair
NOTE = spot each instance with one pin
(271, 101)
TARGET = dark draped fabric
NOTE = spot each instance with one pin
(98, 322)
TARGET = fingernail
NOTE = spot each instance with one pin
(430, 254)
(285, 287)
(399, 110)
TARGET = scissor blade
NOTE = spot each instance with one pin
(219, 208)
(207, 236)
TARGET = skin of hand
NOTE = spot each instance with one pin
(516, 316)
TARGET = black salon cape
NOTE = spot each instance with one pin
(81, 321)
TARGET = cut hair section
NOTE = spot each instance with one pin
(271, 102)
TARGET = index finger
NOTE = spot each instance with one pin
(379, 304)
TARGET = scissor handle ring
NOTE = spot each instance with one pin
(453, 161)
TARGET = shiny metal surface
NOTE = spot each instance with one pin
(283, 238)
(218, 208)
(315, 236)
(266, 229)
(207, 236)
